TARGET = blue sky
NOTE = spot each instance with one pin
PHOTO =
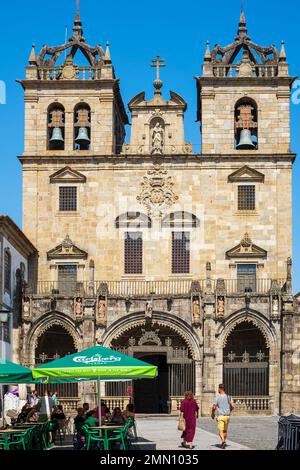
(137, 32)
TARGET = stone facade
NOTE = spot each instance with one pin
(190, 318)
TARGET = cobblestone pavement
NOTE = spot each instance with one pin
(163, 431)
(257, 433)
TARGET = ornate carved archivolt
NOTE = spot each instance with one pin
(46, 325)
(252, 321)
(157, 193)
(127, 325)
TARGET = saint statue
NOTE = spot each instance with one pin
(157, 139)
(102, 310)
(196, 311)
(221, 306)
(275, 308)
(149, 309)
(78, 307)
(26, 307)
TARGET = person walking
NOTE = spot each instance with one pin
(190, 411)
(222, 408)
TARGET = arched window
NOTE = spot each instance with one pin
(157, 136)
(181, 219)
(7, 270)
(82, 127)
(133, 220)
(246, 125)
(56, 127)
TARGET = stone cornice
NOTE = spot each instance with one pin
(245, 81)
(16, 237)
(198, 159)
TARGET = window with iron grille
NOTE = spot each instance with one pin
(133, 253)
(180, 252)
(7, 270)
(246, 198)
(67, 279)
(68, 198)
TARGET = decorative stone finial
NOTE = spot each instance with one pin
(282, 56)
(242, 30)
(32, 57)
(77, 28)
(207, 57)
(157, 63)
(107, 57)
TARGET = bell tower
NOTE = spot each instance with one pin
(73, 103)
(244, 98)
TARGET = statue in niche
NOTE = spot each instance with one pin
(196, 310)
(275, 307)
(157, 139)
(149, 309)
(221, 306)
(78, 307)
(101, 314)
(26, 307)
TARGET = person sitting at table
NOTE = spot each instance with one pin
(105, 411)
(86, 408)
(118, 417)
(79, 421)
(23, 414)
(91, 419)
(130, 413)
(59, 415)
(32, 416)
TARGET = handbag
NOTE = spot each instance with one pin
(181, 423)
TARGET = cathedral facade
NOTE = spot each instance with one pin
(180, 259)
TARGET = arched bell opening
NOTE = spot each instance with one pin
(82, 127)
(246, 125)
(246, 362)
(56, 127)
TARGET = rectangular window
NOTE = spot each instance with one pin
(246, 198)
(246, 277)
(133, 253)
(7, 270)
(68, 198)
(180, 252)
(67, 279)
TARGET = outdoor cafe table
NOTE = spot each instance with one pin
(7, 433)
(106, 428)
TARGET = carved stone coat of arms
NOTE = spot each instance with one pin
(157, 193)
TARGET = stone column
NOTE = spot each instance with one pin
(290, 354)
(209, 355)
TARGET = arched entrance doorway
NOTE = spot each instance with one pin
(246, 362)
(161, 346)
(54, 343)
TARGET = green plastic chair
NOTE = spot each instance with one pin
(120, 435)
(92, 437)
(20, 440)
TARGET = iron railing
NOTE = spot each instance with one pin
(138, 288)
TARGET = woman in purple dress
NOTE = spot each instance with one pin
(190, 411)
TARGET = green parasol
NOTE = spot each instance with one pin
(11, 373)
(95, 364)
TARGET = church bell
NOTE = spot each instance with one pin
(57, 140)
(246, 142)
(83, 138)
